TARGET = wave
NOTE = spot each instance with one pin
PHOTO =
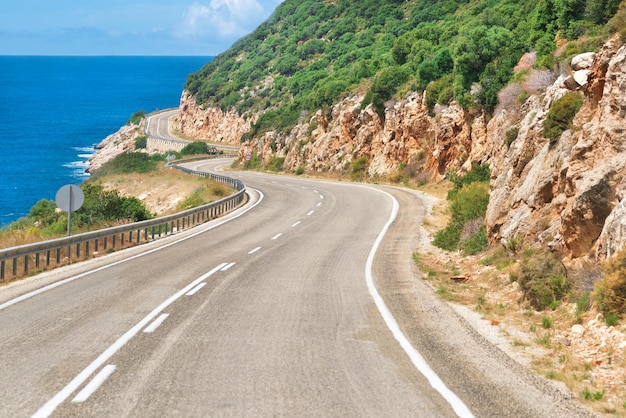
(91, 149)
(78, 168)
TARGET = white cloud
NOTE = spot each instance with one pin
(225, 19)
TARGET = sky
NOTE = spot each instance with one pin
(127, 27)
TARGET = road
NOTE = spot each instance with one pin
(271, 311)
(159, 126)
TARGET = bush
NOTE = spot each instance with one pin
(543, 279)
(141, 142)
(510, 136)
(276, 164)
(191, 201)
(469, 200)
(195, 148)
(610, 291)
(358, 168)
(134, 162)
(476, 243)
(136, 118)
(299, 171)
(561, 115)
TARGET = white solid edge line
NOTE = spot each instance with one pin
(65, 393)
(416, 358)
(157, 322)
(95, 383)
(78, 276)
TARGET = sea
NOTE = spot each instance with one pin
(55, 110)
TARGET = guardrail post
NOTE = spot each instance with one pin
(37, 260)
(15, 267)
(58, 255)
(2, 270)
(25, 264)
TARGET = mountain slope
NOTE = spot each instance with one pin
(310, 53)
(422, 89)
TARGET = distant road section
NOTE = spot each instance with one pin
(159, 127)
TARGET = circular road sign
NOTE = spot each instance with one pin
(70, 198)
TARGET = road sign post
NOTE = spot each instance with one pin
(70, 198)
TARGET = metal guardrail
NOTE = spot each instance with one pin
(56, 252)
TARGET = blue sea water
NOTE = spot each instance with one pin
(54, 110)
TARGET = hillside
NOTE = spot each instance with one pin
(414, 91)
(310, 53)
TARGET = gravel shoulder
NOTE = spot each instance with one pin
(468, 353)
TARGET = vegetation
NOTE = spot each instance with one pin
(309, 53)
(561, 115)
(136, 118)
(101, 208)
(104, 206)
(543, 279)
(195, 148)
(610, 291)
(468, 203)
(141, 142)
(134, 162)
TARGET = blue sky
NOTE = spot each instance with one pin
(127, 27)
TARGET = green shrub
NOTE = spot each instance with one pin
(610, 291)
(276, 164)
(254, 163)
(583, 304)
(195, 148)
(543, 280)
(469, 200)
(191, 201)
(476, 243)
(358, 168)
(299, 171)
(134, 162)
(510, 136)
(136, 118)
(561, 115)
(141, 142)
(447, 238)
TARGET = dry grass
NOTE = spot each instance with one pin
(594, 372)
(161, 191)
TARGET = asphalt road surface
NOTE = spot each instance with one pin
(276, 310)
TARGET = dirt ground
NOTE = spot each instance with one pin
(562, 344)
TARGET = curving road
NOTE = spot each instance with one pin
(159, 126)
(271, 311)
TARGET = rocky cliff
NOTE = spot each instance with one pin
(569, 194)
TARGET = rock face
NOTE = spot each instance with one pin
(567, 194)
(121, 142)
(212, 124)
